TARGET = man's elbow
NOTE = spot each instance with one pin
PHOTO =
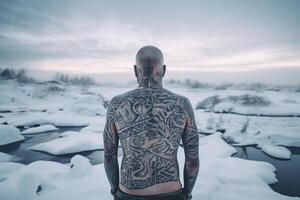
(192, 165)
(110, 159)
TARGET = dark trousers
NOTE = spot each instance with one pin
(178, 195)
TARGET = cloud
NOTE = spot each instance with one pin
(104, 36)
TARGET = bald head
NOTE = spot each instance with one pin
(149, 56)
(149, 68)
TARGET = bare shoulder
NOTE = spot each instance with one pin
(183, 101)
(118, 99)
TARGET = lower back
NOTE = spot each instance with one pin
(160, 188)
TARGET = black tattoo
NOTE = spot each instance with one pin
(190, 142)
(147, 77)
(150, 123)
(110, 138)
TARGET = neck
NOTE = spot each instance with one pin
(150, 82)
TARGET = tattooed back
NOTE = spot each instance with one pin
(150, 123)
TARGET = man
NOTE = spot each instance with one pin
(150, 122)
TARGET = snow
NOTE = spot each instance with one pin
(9, 134)
(220, 177)
(276, 151)
(57, 119)
(5, 157)
(215, 146)
(71, 143)
(40, 129)
(8, 168)
(67, 133)
(264, 103)
(80, 166)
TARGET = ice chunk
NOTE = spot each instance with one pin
(9, 134)
(39, 129)
(71, 144)
(276, 151)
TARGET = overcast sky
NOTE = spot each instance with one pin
(196, 36)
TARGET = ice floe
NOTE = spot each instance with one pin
(72, 143)
(39, 129)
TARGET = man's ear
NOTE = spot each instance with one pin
(135, 71)
(164, 70)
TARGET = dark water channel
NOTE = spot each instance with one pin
(287, 171)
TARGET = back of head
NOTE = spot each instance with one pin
(149, 66)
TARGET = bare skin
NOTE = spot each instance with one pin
(150, 122)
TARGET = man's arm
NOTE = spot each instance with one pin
(190, 140)
(111, 139)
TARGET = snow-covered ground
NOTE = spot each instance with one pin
(220, 177)
(264, 119)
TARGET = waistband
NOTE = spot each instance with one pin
(124, 195)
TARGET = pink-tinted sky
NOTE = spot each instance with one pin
(99, 36)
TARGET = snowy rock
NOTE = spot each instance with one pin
(80, 165)
(71, 144)
(40, 129)
(9, 134)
